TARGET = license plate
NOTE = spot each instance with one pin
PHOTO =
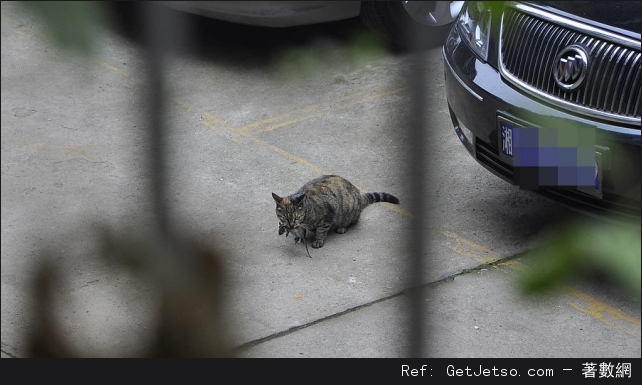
(509, 143)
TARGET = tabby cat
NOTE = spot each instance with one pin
(328, 202)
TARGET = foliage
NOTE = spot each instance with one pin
(590, 246)
(71, 24)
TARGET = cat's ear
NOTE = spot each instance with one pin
(277, 198)
(298, 199)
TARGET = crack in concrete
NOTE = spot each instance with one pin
(447, 279)
(6, 352)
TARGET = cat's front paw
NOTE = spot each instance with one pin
(281, 229)
(317, 244)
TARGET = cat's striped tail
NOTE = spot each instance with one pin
(374, 197)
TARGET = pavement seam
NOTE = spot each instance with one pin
(4, 351)
(510, 262)
(294, 329)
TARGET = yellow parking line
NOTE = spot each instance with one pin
(480, 253)
(293, 157)
(277, 120)
(601, 311)
(298, 115)
(399, 210)
(208, 119)
(5, 19)
(116, 70)
(335, 106)
(578, 300)
(317, 110)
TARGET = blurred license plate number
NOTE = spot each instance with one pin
(506, 136)
(507, 139)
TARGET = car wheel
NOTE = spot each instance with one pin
(410, 24)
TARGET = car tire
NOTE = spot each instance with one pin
(410, 25)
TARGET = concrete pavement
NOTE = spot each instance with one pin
(74, 158)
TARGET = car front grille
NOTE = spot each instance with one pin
(530, 41)
(490, 157)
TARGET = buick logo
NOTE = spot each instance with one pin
(570, 67)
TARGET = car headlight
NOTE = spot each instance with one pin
(474, 27)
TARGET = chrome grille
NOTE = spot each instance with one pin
(530, 41)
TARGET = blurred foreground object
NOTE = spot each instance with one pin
(390, 20)
(71, 24)
(588, 247)
(189, 280)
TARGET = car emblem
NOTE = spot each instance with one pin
(570, 67)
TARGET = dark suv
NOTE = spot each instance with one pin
(546, 95)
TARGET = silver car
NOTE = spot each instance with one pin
(389, 19)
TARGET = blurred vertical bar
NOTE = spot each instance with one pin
(154, 27)
(164, 31)
(417, 161)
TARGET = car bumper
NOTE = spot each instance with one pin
(271, 13)
(478, 98)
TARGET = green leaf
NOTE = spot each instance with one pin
(612, 249)
(71, 24)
